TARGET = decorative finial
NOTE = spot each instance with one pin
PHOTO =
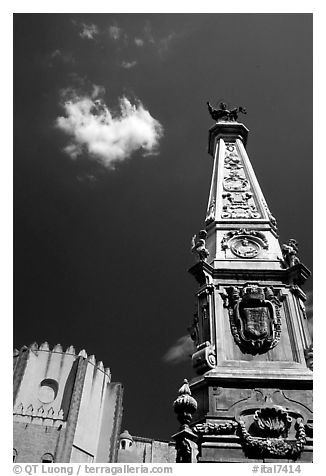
(198, 245)
(185, 405)
(224, 114)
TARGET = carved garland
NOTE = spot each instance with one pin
(273, 447)
(227, 428)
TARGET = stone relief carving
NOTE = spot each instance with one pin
(201, 332)
(198, 246)
(245, 243)
(289, 251)
(231, 159)
(205, 357)
(272, 421)
(238, 205)
(219, 428)
(255, 318)
(234, 182)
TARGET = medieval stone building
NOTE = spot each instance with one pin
(252, 397)
(66, 409)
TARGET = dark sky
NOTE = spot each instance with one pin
(101, 254)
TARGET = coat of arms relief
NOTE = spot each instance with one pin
(255, 318)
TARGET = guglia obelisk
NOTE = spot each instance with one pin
(252, 397)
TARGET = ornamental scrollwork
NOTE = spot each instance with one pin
(255, 318)
(204, 358)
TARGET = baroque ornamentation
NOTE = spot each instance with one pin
(198, 245)
(257, 447)
(272, 422)
(255, 318)
(289, 251)
(225, 428)
(231, 159)
(237, 205)
(185, 405)
(244, 243)
(234, 182)
(204, 358)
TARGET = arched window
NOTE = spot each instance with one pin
(14, 455)
(47, 458)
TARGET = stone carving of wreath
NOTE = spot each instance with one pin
(273, 447)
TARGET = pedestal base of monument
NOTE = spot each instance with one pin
(248, 417)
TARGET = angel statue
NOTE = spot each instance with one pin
(198, 245)
(289, 251)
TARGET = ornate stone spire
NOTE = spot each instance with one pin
(250, 326)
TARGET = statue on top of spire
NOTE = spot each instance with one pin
(224, 114)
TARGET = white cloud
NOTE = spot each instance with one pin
(59, 55)
(164, 43)
(89, 31)
(114, 32)
(97, 91)
(128, 64)
(107, 137)
(139, 41)
(181, 351)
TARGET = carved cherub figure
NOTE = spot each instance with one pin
(198, 245)
(289, 251)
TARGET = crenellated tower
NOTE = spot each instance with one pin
(66, 408)
(254, 383)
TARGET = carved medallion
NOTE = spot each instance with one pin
(235, 183)
(231, 159)
(245, 243)
(245, 248)
(255, 318)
